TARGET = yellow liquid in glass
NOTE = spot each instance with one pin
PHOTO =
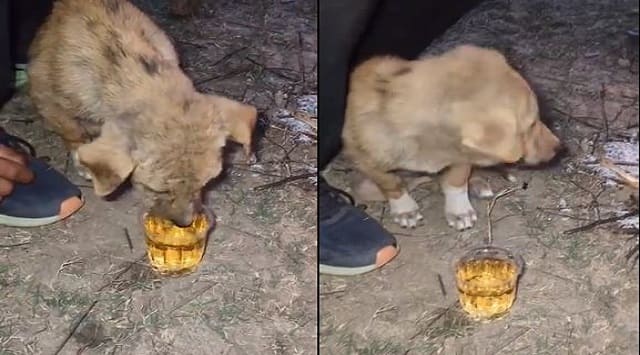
(173, 250)
(486, 287)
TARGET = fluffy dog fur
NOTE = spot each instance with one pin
(108, 81)
(446, 113)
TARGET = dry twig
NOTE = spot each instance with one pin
(490, 209)
(128, 237)
(603, 112)
(599, 222)
(626, 178)
(284, 181)
(75, 327)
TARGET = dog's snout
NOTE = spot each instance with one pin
(560, 147)
(181, 215)
(183, 221)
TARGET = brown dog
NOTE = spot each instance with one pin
(107, 80)
(464, 108)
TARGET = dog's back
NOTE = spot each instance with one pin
(408, 114)
(99, 58)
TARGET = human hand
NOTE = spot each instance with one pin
(13, 169)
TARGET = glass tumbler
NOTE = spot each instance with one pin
(487, 279)
(174, 250)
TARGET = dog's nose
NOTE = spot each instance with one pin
(183, 221)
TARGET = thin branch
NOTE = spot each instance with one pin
(599, 222)
(75, 327)
(490, 209)
(284, 181)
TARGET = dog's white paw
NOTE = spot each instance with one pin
(480, 188)
(457, 208)
(404, 211)
(507, 175)
(408, 220)
(84, 173)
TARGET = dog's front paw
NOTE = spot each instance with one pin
(404, 211)
(407, 220)
(461, 219)
(457, 208)
(480, 188)
(81, 170)
(84, 173)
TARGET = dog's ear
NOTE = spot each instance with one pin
(109, 163)
(496, 137)
(240, 121)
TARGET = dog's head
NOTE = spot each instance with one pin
(173, 157)
(512, 132)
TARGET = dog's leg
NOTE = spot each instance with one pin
(479, 186)
(404, 209)
(364, 189)
(72, 143)
(457, 207)
(69, 130)
(80, 169)
(73, 140)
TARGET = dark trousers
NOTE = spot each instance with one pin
(354, 30)
(19, 21)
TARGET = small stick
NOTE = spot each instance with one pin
(188, 300)
(605, 118)
(75, 327)
(301, 60)
(436, 316)
(599, 222)
(510, 341)
(444, 293)
(126, 234)
(341, 290)
(284, 181)
(633, 251)
(13, 245)
(73, 261)
(622, 174)
(490, 209)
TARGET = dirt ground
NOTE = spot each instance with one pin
(255, 292)
(579, 293)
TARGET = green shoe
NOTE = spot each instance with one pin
(21, 78)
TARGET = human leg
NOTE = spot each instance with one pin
(26, 16)
(49, 196)
(342, 24)
(350, 242)
(6, 70)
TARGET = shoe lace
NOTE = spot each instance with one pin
(16, 143)
(331, 199)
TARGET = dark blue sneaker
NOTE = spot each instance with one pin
(350, 241)
(49, 198)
